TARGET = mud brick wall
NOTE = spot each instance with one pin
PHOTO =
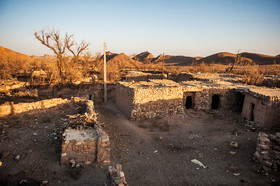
(11, 108)
(268, 151)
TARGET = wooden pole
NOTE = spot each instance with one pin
(162, 67)
(105, 75)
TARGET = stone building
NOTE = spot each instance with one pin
(143, 100)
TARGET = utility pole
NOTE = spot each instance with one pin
(162, 66)
(105, 75)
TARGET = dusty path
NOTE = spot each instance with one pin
(159, 151)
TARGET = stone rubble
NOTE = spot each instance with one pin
(116, 176)
(268, 151)
(84, 141)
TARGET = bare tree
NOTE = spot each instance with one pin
(236, 61)
(59, 45)
(56, 43)
(75, 48)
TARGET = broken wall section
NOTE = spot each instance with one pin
(268, 151)
(263, 110)
(85, 142)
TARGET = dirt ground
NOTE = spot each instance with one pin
(153, 152)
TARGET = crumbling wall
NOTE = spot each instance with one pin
(184, 77)
(151, 102)
(10, 108)
(137, 76)
(203, 99)
(257, 109)
(124, 99)
(116, 176)
(84, 141)
(268, 151)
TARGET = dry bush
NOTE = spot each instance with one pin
(33, 93)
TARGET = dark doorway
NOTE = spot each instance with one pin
(90, 97)
(239, 102)
(189, 103)
(215, 101)
(252, 108)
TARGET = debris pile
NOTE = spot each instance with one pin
(84, 141)
(116, 176)
(268, 151)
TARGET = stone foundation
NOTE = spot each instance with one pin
(84, 141)
(268, 151)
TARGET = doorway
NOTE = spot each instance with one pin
(252, 115)
(215, 101)
(189, 102)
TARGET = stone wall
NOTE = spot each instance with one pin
(261, 111)
(146, 100)
(9, 108)
(142, 76)
(84, 146)
(202, 99)
(84, 141)
(116, 176)
(124, 99)
(268, 151)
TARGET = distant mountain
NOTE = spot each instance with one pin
(261, 59)
(46, 57)
(226, 58)
(120, 60)
(7, 54)
(143, 57)
(223, 58)
(175, 60)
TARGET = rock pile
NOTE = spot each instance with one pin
(268, 151)
(116, 176)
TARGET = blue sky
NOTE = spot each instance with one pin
(189, 27)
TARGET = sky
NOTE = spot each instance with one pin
(174, 27)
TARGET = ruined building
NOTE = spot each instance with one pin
(152, 98)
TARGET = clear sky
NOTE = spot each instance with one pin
(187, 27)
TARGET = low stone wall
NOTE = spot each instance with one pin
(142, 76)
(84, 141)
(144, 100)
(10, 108)
(116, 176)
(268, 151)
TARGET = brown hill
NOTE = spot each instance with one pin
(223, 58)
(261, 59)
(175, 60)
(144, 56)
(9, 55)
(120, 60)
